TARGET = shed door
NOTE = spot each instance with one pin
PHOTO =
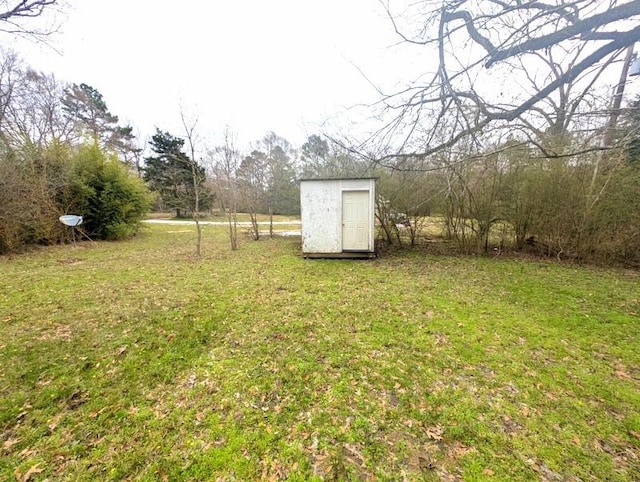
(355, 220)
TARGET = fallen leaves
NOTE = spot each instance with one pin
(273, 471)
(435, 432)
(28, 474)
(8, 444)
(316, 382)
(457, 449)
(622, 375)
(53, 423)
(191, 381)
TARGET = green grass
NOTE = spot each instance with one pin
(135, 360)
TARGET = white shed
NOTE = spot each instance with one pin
(338, 217)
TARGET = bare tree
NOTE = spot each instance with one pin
(252, 183)
(197, 173)
(225, 161)
(36, 117)
(283, 195)
(11, 78)
(478, 45)
(17, 17)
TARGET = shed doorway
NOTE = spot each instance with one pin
(355, 221)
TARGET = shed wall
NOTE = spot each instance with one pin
(321, 213)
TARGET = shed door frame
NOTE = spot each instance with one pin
(356, 222)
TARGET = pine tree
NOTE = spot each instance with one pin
(171, 173)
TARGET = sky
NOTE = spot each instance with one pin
(295, 67)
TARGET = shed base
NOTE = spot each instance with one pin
(343, 255)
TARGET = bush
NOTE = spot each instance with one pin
(112, 201)
(38, 185)
(29, 206)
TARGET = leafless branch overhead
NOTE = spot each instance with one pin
(23, 8)
(497, 61)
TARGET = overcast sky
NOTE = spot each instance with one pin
(295, 67)
(281, 65)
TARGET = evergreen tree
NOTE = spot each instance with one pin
(85, 106)
(171, 173)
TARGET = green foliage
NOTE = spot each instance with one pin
(112, 200)
(85, 106)
(57, 180)
(283, 192)
(315, 151)
(174, 176)
(33, 184)
(45, 171)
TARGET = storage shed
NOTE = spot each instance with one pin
(338, 217)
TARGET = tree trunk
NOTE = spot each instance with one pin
(196, 217)
(199, 238)
(255, 229)
(270, 222)
(231, 220)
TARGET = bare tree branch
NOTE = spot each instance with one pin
(16, 15)
(458, 104)
(23, 8)
(621, 12)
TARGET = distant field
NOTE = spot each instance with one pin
(241, 217)
(136, 360)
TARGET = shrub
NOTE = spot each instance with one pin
(112, 200)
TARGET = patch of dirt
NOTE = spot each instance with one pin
(70, 261)
(59, 332)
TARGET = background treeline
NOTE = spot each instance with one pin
(553, 188)
(579, 201)
(583, 206)
(62, 152)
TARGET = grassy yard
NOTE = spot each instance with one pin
(137, 361)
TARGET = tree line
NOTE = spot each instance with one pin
(520, 135)
(261, 180)
(516, 142)
(62, 151)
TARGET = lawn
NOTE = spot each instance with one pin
(135, 360)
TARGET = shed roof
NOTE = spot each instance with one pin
(339, 179)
